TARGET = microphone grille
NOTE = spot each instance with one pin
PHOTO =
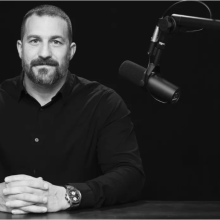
(133, 72)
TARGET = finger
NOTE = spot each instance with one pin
(21, 189)
(27, 198)
(38, 184)
(18, 212)
(33, 208)
(18, 177)
(17, 204)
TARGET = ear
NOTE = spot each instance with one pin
(19, 48)
(72, 50)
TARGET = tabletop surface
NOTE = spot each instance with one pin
(136, 210)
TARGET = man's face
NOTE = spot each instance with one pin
(45, 50)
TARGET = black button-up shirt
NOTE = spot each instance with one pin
(84, 137)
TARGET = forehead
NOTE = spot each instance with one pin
(46, 26)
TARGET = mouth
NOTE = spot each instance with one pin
(44, 66)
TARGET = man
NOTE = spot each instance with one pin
(65, 142)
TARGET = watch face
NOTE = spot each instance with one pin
(74, 195)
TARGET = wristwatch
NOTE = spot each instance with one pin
(73, 196)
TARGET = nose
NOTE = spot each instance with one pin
(44, 51)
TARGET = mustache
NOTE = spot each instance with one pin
(44, 62)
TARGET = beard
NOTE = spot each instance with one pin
(45, 75)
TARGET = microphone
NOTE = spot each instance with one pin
(158, 87)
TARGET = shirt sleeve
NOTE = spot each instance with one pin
(118, 155)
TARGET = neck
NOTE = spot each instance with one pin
(43, 93)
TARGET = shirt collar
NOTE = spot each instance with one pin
(64, 91)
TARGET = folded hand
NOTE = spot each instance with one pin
(28, 194)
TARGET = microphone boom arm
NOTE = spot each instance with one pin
(191, 21)
(170, 23)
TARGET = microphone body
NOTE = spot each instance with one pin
(157, 86)
(162, 89)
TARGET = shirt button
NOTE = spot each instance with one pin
(36, 140)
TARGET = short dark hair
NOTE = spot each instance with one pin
(48, 10)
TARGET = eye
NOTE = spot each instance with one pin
(34, 41)
(57, 42)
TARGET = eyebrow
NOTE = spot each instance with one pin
(52, 37)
